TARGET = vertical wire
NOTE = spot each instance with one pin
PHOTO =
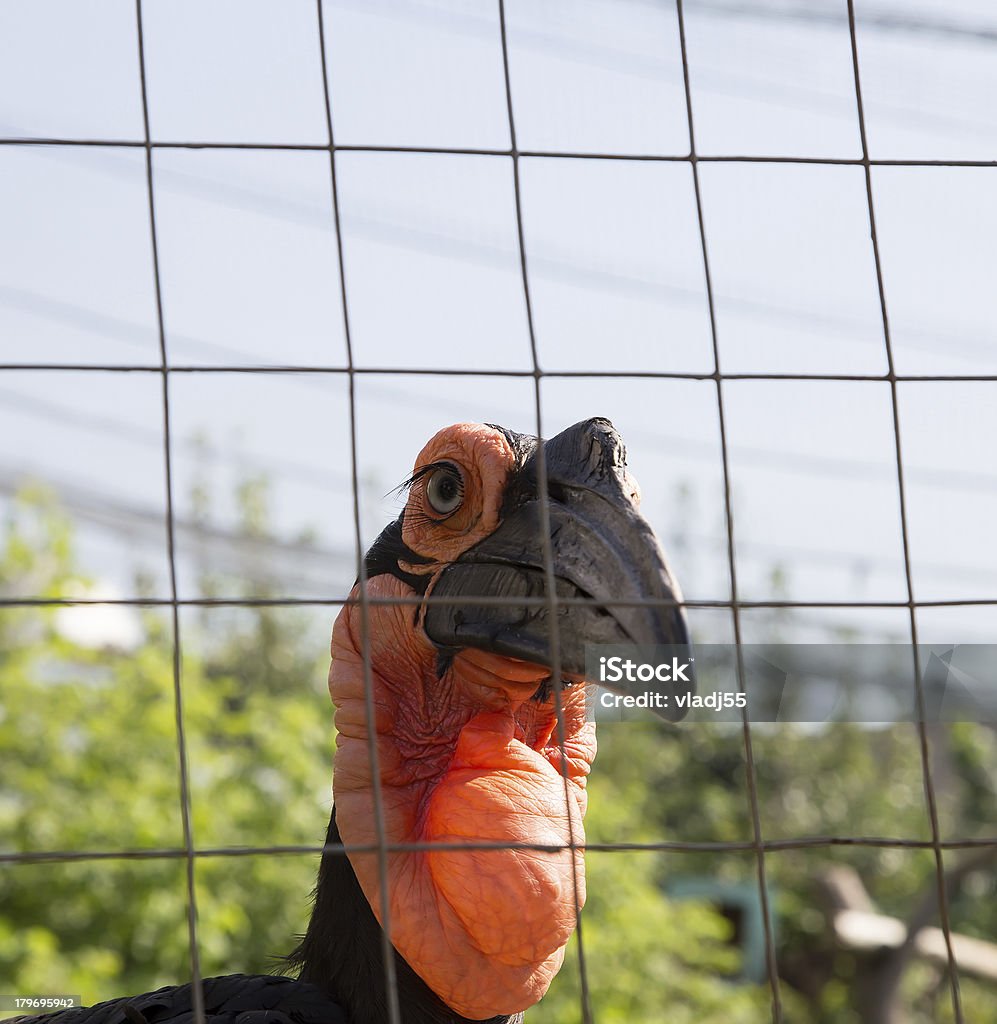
(548, 554)
(184, 769)
(927, 777)
(759, 847)
(387, 950)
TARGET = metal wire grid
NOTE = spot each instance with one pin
(758, 845)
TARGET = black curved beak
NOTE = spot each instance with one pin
(606, 562)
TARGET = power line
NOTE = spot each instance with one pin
(651, 65)
(145, 523)
(287, 468)
(886, 20)
(561, 267)
(246, 555)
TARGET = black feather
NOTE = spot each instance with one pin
(388, 550)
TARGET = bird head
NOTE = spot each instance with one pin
(470, 672)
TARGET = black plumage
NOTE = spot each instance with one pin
(234, 999)
(339, 962)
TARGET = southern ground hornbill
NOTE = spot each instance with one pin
(467, 738)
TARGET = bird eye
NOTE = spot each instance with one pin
(445, 490)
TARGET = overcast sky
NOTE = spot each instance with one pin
(250, 276)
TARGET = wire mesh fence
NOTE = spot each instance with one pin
(167, 370)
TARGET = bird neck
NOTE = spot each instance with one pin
(342, 952)
(470, 776)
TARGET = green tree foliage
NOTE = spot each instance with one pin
(90, 763)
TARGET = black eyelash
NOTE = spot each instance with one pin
(407, 484)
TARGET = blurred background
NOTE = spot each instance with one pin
(261, 483)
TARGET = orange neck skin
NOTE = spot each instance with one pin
(467, 758)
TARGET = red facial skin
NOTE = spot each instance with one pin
(468, 758)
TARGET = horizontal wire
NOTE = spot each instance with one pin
(531, 154)
(484, 601)
(425, 371)
(416, 601)
(664, 846)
